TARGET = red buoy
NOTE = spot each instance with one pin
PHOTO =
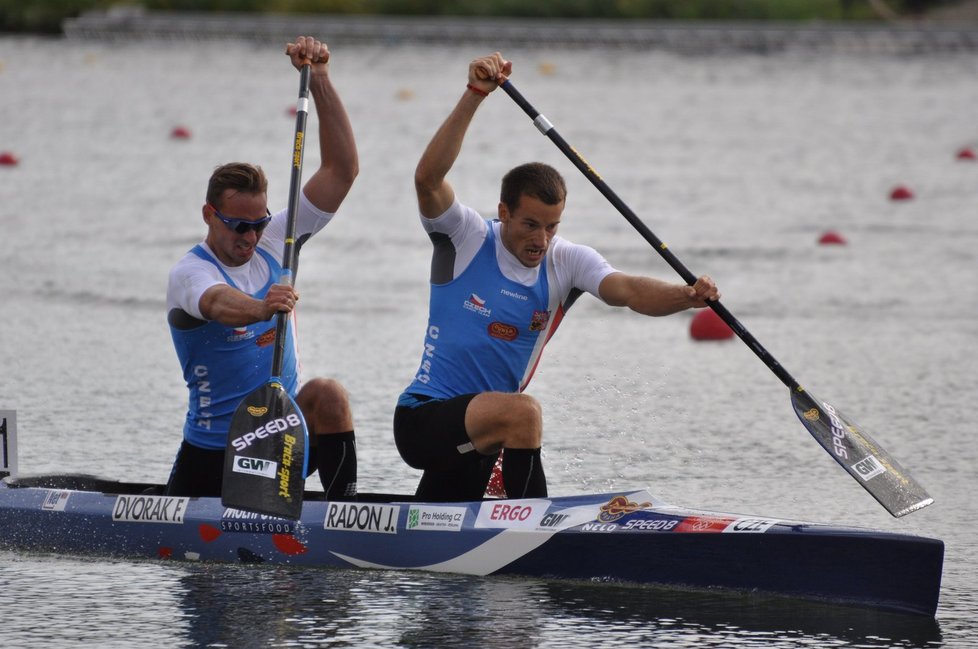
(901, 193)
(8, 159)
(966, 154)
(180, 133)
(707, 325)
(832, 237)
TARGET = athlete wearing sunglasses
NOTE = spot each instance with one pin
(224, 294)
(242, 226)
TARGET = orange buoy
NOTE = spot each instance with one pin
(180, 133)
(832, 237)
(707, 325)
(966, 154)
(292, 111)
(8, 159)
(901, 193)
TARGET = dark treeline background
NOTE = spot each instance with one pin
(46, 16)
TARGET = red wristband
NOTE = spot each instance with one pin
(477, 91)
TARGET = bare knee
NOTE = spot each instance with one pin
(496, 419)
(326, 406)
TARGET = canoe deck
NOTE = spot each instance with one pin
(621, 537)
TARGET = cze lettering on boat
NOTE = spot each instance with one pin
(267, 429)
(352, 517)
(149, 509)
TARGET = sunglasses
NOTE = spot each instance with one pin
(241, 226)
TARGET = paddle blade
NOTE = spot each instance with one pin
(265, 458)
(860, 455)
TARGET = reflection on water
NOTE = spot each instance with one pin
(264, 606)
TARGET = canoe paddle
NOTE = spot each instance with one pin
(850, 445)
(267, 448)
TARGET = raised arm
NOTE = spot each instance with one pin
(339, 161)
(435, 194)
(654, 297)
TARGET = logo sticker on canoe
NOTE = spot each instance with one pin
(750, 525)
(704, 524)
(435, 519)
(618, 507)
(238, 520)
(55, 501)
(509, 513)
(149, 509)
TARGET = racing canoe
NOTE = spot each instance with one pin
(623, 537)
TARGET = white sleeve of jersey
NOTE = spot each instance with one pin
(578, 266)
(188, 281)
(308, 221)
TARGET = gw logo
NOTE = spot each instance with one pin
(255, 466)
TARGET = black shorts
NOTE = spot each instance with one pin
(432, 434)
(199, 472)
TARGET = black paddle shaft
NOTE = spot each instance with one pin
(288, 255)
(846, 442)
(545, 127)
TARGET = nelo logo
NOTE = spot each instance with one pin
(503, 331)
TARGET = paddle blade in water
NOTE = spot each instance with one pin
(860, 455)
(264, 463)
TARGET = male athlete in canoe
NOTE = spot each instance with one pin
(223, 297)
(499, 289)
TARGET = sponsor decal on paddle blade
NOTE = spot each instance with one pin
(265, 458)
(860, 455)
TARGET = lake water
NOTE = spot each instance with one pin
(739, 162)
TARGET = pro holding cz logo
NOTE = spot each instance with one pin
(255, 466)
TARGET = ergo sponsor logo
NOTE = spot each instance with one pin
(526, 514)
